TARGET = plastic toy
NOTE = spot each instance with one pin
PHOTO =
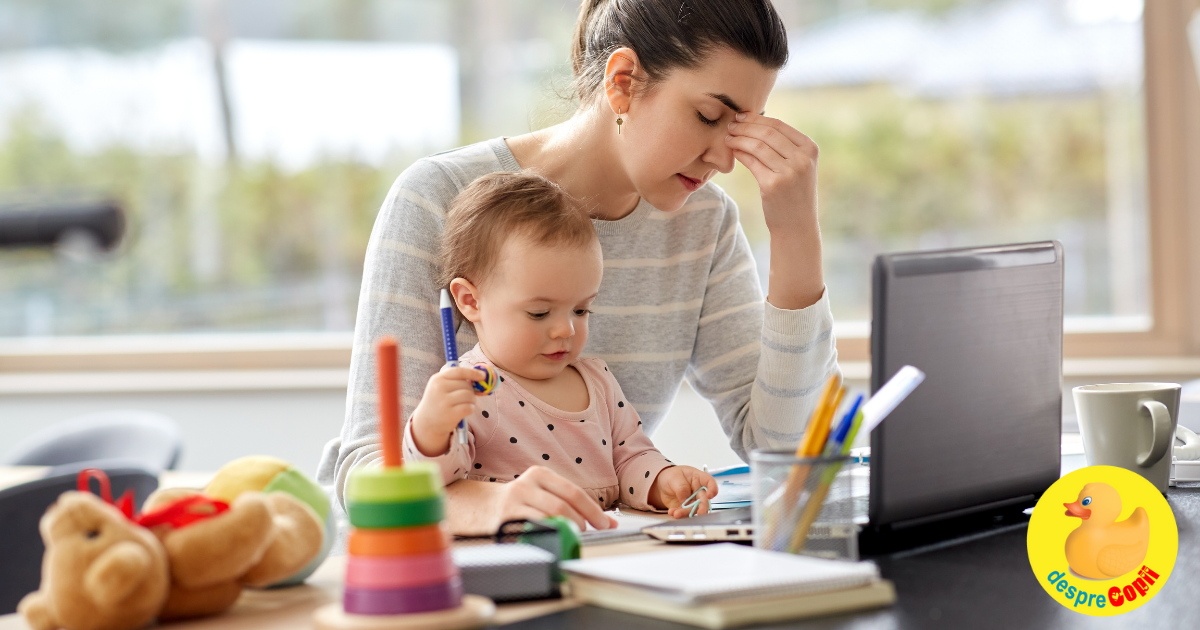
(399, 573)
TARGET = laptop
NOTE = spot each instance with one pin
(978, 442)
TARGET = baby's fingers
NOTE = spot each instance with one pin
(679, 489)
(462, 374)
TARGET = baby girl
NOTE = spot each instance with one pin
(523, 263)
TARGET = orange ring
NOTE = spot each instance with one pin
(406, 541)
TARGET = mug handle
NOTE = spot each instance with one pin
(1160, 422)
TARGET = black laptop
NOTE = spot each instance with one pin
(978, 442)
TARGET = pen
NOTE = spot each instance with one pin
(838, 438)
(451, 352)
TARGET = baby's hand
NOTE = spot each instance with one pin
(449, 397)
(674, 485)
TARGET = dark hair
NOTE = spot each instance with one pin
(670, 34)
(497, 206)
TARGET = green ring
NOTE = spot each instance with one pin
(415, 481)
(390, 515)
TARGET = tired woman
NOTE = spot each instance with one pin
(671, 92)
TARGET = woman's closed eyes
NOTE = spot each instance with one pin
(708, 121)
(579, 312)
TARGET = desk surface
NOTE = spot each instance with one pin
(977, 584)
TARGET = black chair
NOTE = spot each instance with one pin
(21, 507)
(147, 437)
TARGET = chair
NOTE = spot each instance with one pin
(150, 438)
(22, 506)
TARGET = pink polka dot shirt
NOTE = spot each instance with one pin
(601, 449)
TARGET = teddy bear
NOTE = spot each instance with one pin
(101, 571)
(195, 552)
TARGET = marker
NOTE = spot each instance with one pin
(902, 383)
(451, 351)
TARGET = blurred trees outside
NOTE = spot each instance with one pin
(283, 249)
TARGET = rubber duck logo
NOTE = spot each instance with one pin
(1102, 547)
(1111, 546)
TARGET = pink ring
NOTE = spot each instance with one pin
(391, 572)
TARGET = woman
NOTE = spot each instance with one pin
(671, 92)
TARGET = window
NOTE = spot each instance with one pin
(250, 144)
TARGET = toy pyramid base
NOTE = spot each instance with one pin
(475, 612)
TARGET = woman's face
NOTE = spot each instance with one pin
(673, 140)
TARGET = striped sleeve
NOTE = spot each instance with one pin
(399, 298)
(761, 367)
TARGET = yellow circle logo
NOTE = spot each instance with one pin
(1102, 541)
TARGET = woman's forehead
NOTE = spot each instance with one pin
(732, 80)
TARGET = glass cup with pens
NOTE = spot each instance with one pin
(805, 502)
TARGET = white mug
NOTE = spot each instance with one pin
(1130, 425)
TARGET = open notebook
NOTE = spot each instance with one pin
(629, 527)
(724, 585)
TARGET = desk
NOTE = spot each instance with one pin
(976, 584)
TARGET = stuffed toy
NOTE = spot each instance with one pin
(207, 545)
(268, 474)
(101, 571)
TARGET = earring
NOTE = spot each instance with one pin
(619, 121)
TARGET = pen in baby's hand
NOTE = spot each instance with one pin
(451, 352)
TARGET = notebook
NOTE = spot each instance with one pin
(723, 571)
(629, 527)
(733, 612)
(727, 585)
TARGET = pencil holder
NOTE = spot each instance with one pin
(804, 505)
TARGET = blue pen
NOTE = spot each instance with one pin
(834, 447)
(451, 351)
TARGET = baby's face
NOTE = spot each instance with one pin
(532, 316)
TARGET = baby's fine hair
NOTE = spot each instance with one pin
(498, 206)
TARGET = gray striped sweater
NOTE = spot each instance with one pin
(680, 299)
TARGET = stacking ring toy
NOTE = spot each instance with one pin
(488, 384)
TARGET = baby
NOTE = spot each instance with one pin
(523, 263)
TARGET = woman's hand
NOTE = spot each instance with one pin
(784, 162)
(540, 492)
(675, 484)
(449, 397)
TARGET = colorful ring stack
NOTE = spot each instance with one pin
(399, 554)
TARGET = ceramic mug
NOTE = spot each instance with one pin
(1131, 425)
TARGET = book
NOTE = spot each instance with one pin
(725, 585)
(724, 571)
(732, 613)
